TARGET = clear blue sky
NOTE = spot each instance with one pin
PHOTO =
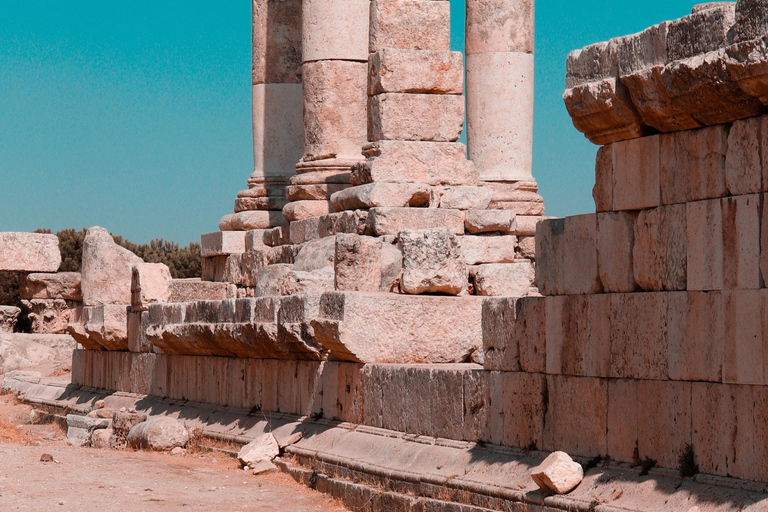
(136, 115)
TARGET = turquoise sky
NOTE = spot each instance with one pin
(136, 115)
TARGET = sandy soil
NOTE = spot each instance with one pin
(85, 479)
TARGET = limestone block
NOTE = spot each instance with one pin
(524, 404)
(301, 210)
(551, 256)
(390, 221)
(315, 255)
(334, 30)
(276, 42)
(315, 177)
(428, 117)
(161, 434)
(522, 208)
(638, 326)
(503, 279)
(366, 327)
(62, 285)
(255, 239)
(705, 245)
(664, 420)
(578, 335)
(245, 204)
(334, 108)
(602, 192)
(488, 249)
(659, 256)
(700, 32)
(743, 162)
(744, 353)
(476, 392)
(221, 243)
(500, 345)
(372, 195)
(622, 419)
(499, 26)
(643, 50)
(693, 165)
(52, 316)
(526, 224)
(696, 336)
(751, 22)
(580, 255)
(415, 71)
(223, 269)
(29, 252)
(636, 174)
(741, 242)
(104, 326)
(409, 25)
(274, 237)
(530, 333)
(9, 315)
(615, 245)
(433, 163)
(576, 416)
(558, 473)
(432, 262)
(246, 221)
(465, 197)
(491, 221)
(361, 264)
(262, 186)
(263, 448)
(321, 192)
(278, 127)
(500, 114)
(591, 63)
(319, 227)
(526, 246)
(153, 281)
(603, 110)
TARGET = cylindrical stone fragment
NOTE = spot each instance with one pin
(278, 130)
(335, 30)
(499, 26)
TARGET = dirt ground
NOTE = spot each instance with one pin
(85, 479)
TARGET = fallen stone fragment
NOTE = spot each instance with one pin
(263, 467)
(159, 434)
(122, 422)
(262, 449)
(371, 195)
(101, 413)
(178, 451)
(465, 198)
(29, 252)
(80, 428)
(62, 285)
(100, 438)
(558, 473)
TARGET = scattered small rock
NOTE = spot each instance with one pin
(100, 438)
(47, 457)
(178, 451)
(100, 404)
(101, 413)
(558, 473)
(263, 467)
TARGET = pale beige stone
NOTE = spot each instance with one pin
(223, 269)
(29, 252)
(615, 245)
(500, 345)
(246, 221)
(488, 249)
(315, 255)
(191, 290)
(276, 42)
(334, 109)
(390, 221)
(301, 210)
(576, 404)
(52, 316)
(500, 114)
(526, 246)
(499, 26)
(638, 326)
(660, 254)
(705, 245)
(161, 434)
(278, 126)
(415, 71)
(104, 326)
(358, 265)
(372, 195)
(465, 197)
(524, 402)
(743, 165)
(578, 334)
(385, 327)
(334, 30)
(696, 336)
(255, 239)
(491, 221)
(503, 279)
(410, 25)
(318, 227)
(220, 243)
(433, 163)
(664, 420)
(622, 419)
(154, 282)
(263, 448)
(319, 177)
(558, 473)
(271, 238)
(312, 192)
(636, 174)
(427, 117)
(526, 224)
(432, 262)
(62, 285)
(530, 334)
(741, 242)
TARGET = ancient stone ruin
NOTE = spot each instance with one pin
(378, 307)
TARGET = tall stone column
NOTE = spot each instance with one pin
(278, 127)
(499, 87)
(334, 69)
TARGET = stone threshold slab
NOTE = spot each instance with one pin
(375, 469)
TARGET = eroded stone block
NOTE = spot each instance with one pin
(488, 249)
(576, 418)
(415, 71)
(636, 173)
(390, 221)
(491, 221)
(427, 117)
(432, 262)
(639, 335)
(615, 245)
(62, 285)
(741, 242)
(410, 25)
(222, 243)
(503, 279)
(696, 336)
(705, 245)
(372, 195)
(664, 420)
(29, 252)
(659, 256)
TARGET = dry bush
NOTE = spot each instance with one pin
(11, 434)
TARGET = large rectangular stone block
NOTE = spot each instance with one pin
(636, 173)
(659, 257)
(410, 25)
(428, 117)
(372, 195)
(622, 419)
(705, 245)
(576, 417)
(550, 251)
(530, 333)
(499, 335)
(29, 252)
(415, 71)
(476, 404)
(319, 227)
(741, 242)
(664, 420)
(743, 162)
(602, 192)
(700, 32)
(488, 249)
(580, 257)
(696, 336)
(745, 354)
(615, 244)
(525, 403)
(639, 335)
(222, 243)
(693, 165)
(390, 221)
(578, 335)
(514, 279)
